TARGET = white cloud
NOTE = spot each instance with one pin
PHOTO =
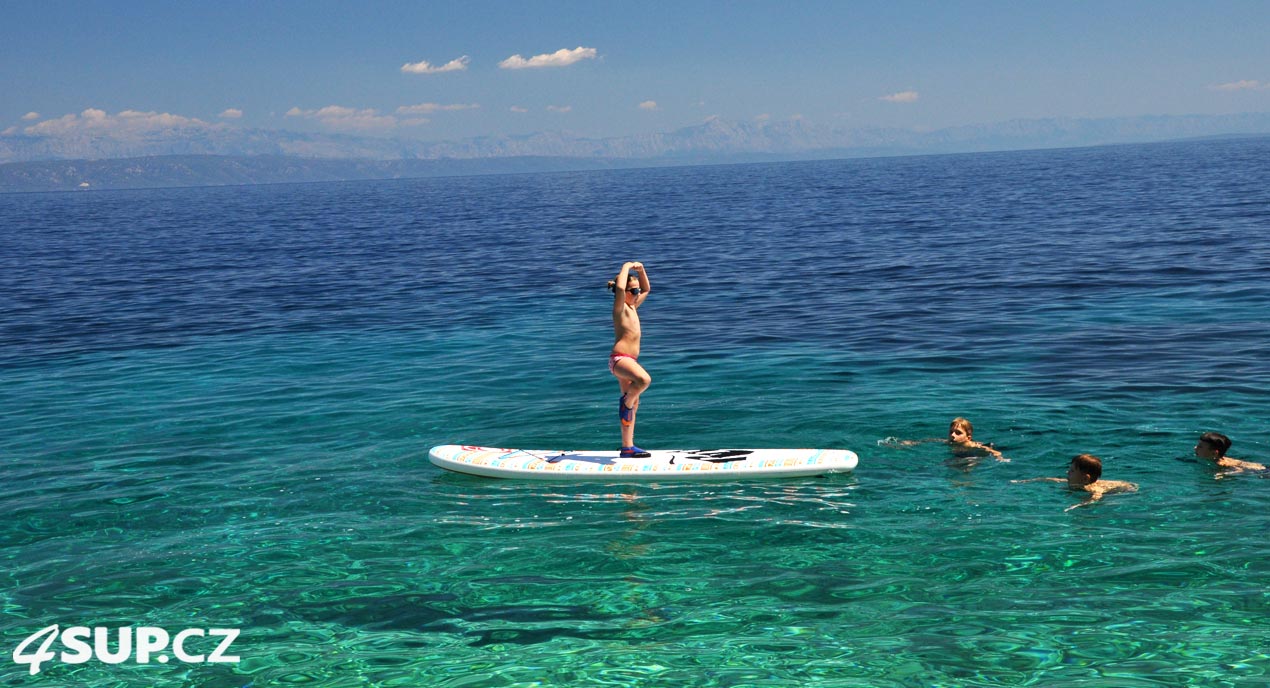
(560, 58)
(648, 105)
(340, 117)
(517, 108)
(429, 108)
(1243, 85)
(901, 97)
(559, 108)
(763, 117)
(458, 64)
(128, 121)
(30, 116)
(9, 132)
(231, 113)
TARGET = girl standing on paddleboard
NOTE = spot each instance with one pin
(629, 291)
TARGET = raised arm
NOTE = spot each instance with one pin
(643, 283)
(619, 289)
(624, 275)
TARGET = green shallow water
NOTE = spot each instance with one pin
(247, 483)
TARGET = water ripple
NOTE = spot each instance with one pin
(219, 403)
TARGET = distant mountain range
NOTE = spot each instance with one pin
(222, 170)
(214, 154)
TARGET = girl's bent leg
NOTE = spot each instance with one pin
(633, 380)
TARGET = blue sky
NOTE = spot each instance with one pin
(623, 68)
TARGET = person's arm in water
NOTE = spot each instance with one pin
(940, 440)
(914, 443)
(1102, 487)
(1092, 498)
(1231, 466)
(992, 452)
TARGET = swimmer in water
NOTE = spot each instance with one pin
(961, 441)
(1084, 475)
(1212, 447)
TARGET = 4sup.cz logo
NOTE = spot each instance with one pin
(150, 643)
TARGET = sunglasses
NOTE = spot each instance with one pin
(634, 290)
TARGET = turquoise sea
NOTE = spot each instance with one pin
(217, 405)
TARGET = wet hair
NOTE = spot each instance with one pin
(963, 424)
(613, 286)
(1217, 441)
(1088, 463)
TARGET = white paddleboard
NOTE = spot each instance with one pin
(665, 464)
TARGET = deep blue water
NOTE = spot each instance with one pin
(218, 404)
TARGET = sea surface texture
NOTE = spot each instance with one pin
(217, 405)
